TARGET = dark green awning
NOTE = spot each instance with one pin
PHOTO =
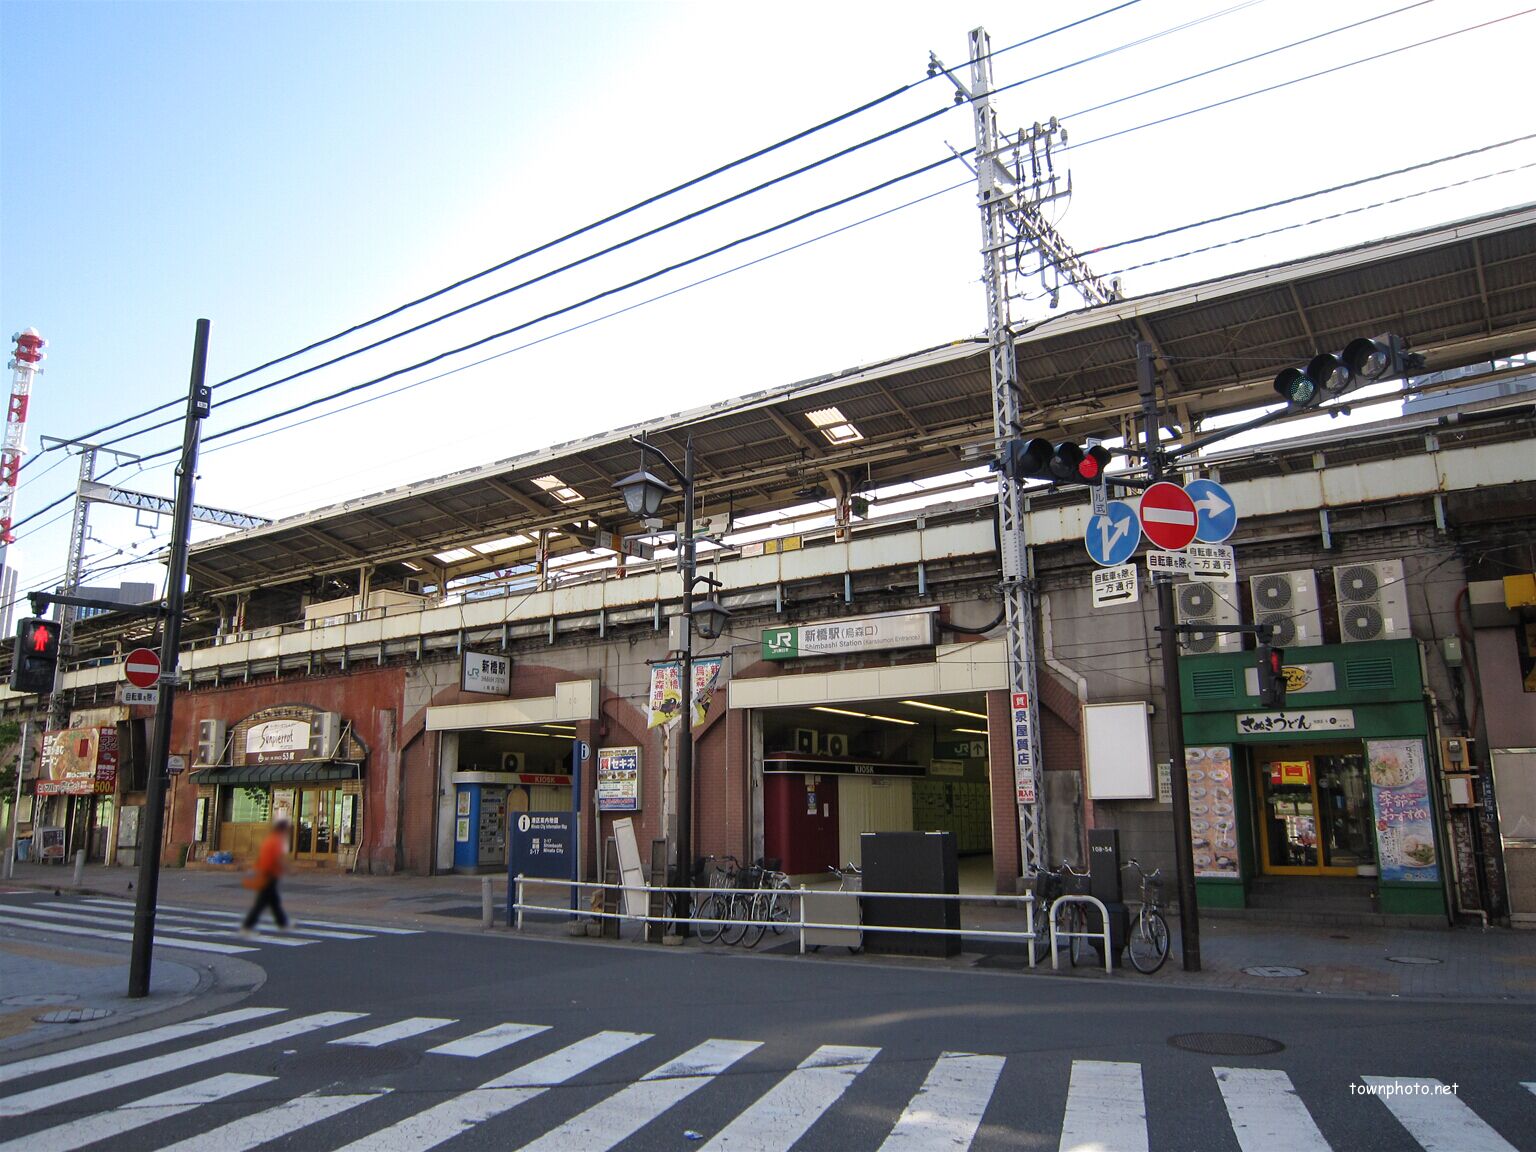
(307, 772)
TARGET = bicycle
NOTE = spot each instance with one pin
(1148, 942)
(716, 905)
(1050, 886)
(849, 879)
(767, 882)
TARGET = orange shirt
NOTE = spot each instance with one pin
(269, 863)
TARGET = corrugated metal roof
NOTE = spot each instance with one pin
(1460, 293)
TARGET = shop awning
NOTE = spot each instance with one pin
(308, 772)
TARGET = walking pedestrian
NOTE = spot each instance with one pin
(269, 867)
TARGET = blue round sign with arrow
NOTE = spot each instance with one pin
(1215, 511)
(1113, 536)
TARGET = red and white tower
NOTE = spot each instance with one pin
(25, 358)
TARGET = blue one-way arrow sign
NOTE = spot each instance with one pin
(1112, 537)
(1215, 511)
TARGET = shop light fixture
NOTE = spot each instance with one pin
(529, 732)
(973, 731)
(892, 719)
(838, 711)
(864, 715)
(945, 708)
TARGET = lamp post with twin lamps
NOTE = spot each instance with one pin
(644, 493)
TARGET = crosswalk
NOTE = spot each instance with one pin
(177, 926)
(220, 1084)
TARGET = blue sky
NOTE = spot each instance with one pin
(289, 169)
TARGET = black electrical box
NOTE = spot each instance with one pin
(910, 862)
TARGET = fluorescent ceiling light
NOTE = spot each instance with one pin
(864, 715)
(973, 731)
(930, 707)
(838, 711)
(892, 719)
(973, 715)
(411, 566)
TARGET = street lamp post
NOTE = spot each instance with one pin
(644, 492)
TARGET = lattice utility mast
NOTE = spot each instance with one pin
(25, 358)
(1015, 178)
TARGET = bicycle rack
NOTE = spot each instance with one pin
(1056, 933)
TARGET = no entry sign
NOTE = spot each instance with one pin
(142, 668)
(1168, 516)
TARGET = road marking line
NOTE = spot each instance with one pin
(400, 1030)
(489, 1040)
(66, 1090)
(105, 1125)
(288, 1117)
(106, 1048)
(788, 1109)
(1438, 1123)
(92, 915)
(200, 915)
(444, 1121)
(1266, 1113)
(1106, 1108)
(237, 916)
(948, 1108)
(105, 934)
(621, 1115)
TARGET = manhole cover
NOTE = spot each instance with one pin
(1226, 1044)
(72, 1015)
(38, 999)
(1414, 960)
(1275, 971)
(345, 1060)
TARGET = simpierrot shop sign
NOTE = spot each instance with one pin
(846, 637)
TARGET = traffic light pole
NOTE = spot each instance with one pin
(159, 749)
(1173, 696)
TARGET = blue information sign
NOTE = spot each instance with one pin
(1112, 537)
(540, 845)
(1215, 511)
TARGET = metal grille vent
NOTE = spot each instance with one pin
(1370, 675)
(1213, 684)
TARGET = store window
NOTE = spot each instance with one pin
(250, 806)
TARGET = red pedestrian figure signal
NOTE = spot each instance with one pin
(42, 638)
(35, 657)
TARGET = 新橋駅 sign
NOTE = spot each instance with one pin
(860, 634)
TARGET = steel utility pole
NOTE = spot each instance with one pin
(198, 405)
(1173, 695)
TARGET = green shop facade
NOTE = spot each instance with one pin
(1338, 785)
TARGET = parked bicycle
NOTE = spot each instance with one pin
(1050, 886)
(750, 900)
(1148, 942)
(849, 879)
(719, 874)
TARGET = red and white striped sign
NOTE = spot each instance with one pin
(142, 668)
(1168, 516)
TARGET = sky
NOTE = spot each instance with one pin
(291, 170)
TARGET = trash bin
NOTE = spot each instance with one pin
(910, 862)
(23, 850)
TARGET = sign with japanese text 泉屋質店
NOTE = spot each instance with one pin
(618, 779)
(1321, 720)
(1023, 750)
(841, 637)
(487, 672)
(1405, 835)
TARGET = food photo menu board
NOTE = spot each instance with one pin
(1405, 838)
(1212, 811)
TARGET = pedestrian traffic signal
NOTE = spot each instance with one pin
(1064, 463)
(1330, 374)
(35, 657)
(1271, 676)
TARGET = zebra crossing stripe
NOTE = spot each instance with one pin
(491, 1039)
(64, 1091)
(106, 934)
(93, 916)
(948, 1108)
(399, 1030)
(234, 919)
(105, 1125)
(236, 915)
(1440, 1123)
(788, 1109)
(1106, 1108)
(1266, 1113)
(273, 1124)
(429, 1128)
(108, 1048)
(623, 1114)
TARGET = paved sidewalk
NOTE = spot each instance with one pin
(1465, 963)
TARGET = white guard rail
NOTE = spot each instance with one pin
(1028, 936)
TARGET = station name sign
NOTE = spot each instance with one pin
(844, 637)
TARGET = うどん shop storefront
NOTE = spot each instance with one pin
(1334, 793)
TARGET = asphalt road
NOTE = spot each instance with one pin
(497, 1041)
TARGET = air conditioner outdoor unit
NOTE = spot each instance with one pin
(210, 741)
(835, 744)
(1373, 601)
(1202, 603)
(1288, 601)
(325, 735)
(805, 741)
(413, 585)
(511, 761)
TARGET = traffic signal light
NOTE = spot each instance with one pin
(1271, 676)
(1064, 463)
(36, 656)
(1330, 374)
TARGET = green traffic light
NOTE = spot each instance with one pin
(1296, 387)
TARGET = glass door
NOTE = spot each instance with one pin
(1315, 812)
(316, 823)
